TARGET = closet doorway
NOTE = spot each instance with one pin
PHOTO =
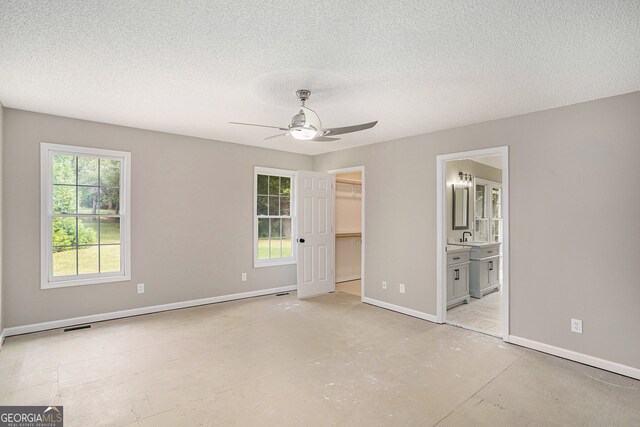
(349, 230)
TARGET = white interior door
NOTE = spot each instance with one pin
(316, 235)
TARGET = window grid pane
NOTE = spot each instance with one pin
(83, 187)
(109, 258)
(88, 259)
(64, 261)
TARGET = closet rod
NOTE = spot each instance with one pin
(348, 234)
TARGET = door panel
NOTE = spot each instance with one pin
(307, 263)
(316, 236)
(322, 263)
(307, 215)
(322, 216)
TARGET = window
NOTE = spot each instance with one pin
(84, 216)
(274, 219)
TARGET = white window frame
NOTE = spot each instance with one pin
(47, 280)
(257, 263)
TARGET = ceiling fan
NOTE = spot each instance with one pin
(306, 125)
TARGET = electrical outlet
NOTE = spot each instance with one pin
(576, 326)
(244, 277)
(141, 288)
(384, 284)
(402, 288)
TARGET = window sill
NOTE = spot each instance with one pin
(84, 282)
(276, 263)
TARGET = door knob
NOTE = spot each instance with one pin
(300, 240)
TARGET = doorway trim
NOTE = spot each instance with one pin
(362, 218)
(441, 169)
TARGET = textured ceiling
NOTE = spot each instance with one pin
(189, 67)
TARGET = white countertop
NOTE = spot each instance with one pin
(473, 244)
(457, 248)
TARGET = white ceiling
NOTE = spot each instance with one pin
(189, 67)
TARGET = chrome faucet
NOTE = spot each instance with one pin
(464, 238)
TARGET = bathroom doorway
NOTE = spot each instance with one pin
(349, 223)
(473, 288)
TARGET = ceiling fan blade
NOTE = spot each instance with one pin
(277, 136)
(311, 119)
(324, 139)
(262, 126)
(349, 129)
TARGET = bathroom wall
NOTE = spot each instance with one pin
(477, 170)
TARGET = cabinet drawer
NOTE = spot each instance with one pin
(457, 257)
(480, 253)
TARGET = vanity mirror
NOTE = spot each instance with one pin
(460, 208)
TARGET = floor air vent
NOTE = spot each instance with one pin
(282, 293)
(75, 328)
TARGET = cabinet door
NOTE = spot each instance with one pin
(483, 274)
(451, 275)
(461, 285)
(494, 271)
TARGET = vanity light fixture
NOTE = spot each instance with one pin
(464, 179)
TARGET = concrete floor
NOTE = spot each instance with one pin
(483, 315)
(329, 360)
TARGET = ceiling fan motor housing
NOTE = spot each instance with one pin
(303, 94)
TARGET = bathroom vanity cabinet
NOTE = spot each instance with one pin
(484, 269)
(457, 276)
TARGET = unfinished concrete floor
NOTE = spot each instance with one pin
(329, 360)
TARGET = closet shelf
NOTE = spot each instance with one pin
(358, 234)
(348, 181)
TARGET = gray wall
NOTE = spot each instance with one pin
(192, 223)
(575, 237)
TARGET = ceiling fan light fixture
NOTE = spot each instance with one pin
(306, 125)
(303, 134)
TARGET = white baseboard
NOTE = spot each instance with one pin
(400, 309)
(347, 278)
(17, 330)
(2, 335)
(577, 357)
